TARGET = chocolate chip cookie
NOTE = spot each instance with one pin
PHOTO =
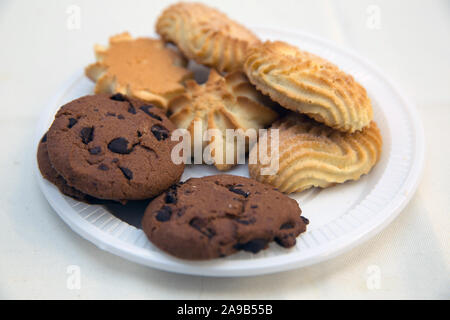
(113, 147)
(49, 173)
(216, 216)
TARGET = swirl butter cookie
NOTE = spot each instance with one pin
(314, 155)
(113, 147)
(215, 216)
(142, 68)
(206, 35)
(222, 103)
(306, 83)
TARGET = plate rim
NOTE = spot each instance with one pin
(229, 268)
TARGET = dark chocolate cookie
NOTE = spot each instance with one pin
(49, 173)
(216, 216)
(113, 147)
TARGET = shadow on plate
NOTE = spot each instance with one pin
(131, 213)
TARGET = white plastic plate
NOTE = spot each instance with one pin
(341, 217)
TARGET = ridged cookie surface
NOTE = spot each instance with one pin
(206, 35)
(306, 83)
(222, 103)
(314, 155)
(142, 68)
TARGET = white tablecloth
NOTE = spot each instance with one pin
(42, 45)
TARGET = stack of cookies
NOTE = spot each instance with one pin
(116, 144)
(329, 137)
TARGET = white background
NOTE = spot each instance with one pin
(408, 40)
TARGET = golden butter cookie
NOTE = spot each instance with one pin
(222, 103)
(314, 155)
(306, 83)
(142, 68)
(206, 35)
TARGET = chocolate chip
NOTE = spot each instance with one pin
(239, 191)
(201, 225)
(72, 122)
(119, 145)
(127, 173)
(254, 206)
(279, 241)
(160, 132)
(287, 225)
(95, 150)
(209, 232)
(118, 97)
(181, 211)
(286, 241)
(171, 196)
(87, 134)
(305, 220)
(197, 223)
(139, 134)
(103, 167)
(131, 108)
(151, 114)
(253, 246)
(246, 222)
(121, 117)
(110, 114)
(164, 214)
(44, 138)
